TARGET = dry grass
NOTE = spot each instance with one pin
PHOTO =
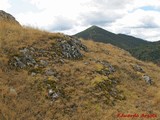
(13, 36)
(75, 78)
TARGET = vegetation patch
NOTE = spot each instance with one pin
(105, 91)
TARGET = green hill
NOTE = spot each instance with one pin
(139, 48)
(150, 52)
(100, 35)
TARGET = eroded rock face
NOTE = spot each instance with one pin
(7, 17)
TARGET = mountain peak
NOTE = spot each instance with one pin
(139, 48)
(101, 35)
(94, 26)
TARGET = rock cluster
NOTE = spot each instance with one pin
(31, 56)
(41, 61)
(145, 77)
(54, 90)
(71, 49)
(23, 60)
(107, 68)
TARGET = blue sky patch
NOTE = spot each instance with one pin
(148, 8)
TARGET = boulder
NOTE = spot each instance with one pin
(52, 94)
(147, 79)
(49, 72)
(138, 68)
(12, 92)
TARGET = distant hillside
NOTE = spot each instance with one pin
(120, 40)
(150, 52)
(139, 48)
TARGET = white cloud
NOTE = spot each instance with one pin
(140, 23)
(51, 11)
(133, 17)
(4, 4)
(61, 24)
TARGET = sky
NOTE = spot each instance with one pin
(139, 18)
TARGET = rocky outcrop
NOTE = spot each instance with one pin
(23, 60)
(7, 17)
(70, 49)
(32, 57)
(41, 61)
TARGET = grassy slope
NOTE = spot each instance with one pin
(77, 80)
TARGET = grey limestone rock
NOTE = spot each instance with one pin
(147, 79)
(52, 94)
(71, 49)
(23, 60)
